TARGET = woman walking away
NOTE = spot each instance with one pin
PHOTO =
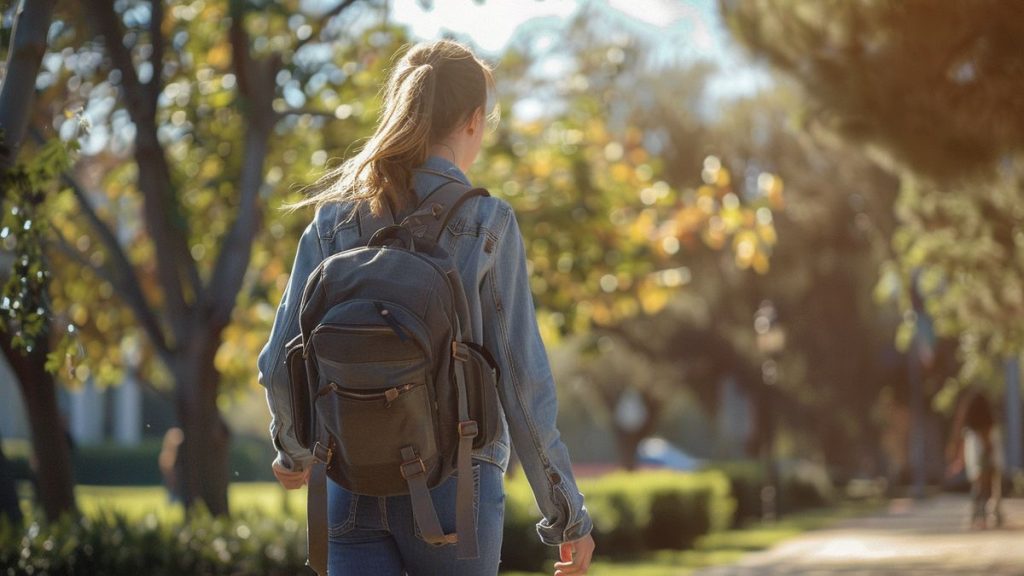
(434, 113)
(982, 459)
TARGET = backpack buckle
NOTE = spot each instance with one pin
(322, 453)
(460, 351)
(410, 473)
(468, 429)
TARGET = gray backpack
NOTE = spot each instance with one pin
(388, 391)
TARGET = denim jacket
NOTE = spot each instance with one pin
(486, 244)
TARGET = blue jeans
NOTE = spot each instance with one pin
(377, 536)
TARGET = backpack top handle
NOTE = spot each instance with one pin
(434, 212)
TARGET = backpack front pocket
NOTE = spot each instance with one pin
(375, 427)
(374, 397)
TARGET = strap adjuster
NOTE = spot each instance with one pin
(322, 453)
(460, 351)
(468, 429)
(417, 463)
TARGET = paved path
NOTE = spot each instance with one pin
(910, 538)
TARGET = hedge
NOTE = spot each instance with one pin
(633, 513)
(108, 544)
(803, 486)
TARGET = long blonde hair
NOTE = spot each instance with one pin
(433, 90)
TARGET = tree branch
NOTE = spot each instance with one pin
(322, 22)
(106, 21)
(123, 276)
(257, 82)
(304, 111)
(156, 37)
(162, 213)
(24, 57)
(236, 249)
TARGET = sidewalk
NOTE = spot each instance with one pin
(917, 538)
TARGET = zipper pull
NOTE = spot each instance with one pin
(388, 317)
(390, 396)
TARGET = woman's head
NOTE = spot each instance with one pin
(978, 415)
(435, 95)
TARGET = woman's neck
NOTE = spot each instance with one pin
(445, 151)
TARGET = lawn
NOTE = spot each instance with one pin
(137, 502)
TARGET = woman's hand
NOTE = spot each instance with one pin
(575, 556)
(290, 479)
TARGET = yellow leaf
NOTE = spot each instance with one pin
(219, 56)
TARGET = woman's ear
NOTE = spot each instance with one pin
(476, 121)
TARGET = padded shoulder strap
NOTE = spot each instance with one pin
(368, 223)
(432, 215)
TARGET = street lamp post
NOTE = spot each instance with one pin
(771, 339)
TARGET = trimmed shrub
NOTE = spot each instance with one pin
(521, 548)
(637, 512)
(804, 485)
(109, 544)
(632, 513)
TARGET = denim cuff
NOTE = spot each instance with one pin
(554, 535)
(293, 460)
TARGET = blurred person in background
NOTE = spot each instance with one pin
(170, 463)
(978, 452)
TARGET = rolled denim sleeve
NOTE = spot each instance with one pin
(273, 374)
(527, 388)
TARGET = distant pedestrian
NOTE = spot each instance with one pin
(981, 459)
(169, 466)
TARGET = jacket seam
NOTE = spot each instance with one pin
(514, 376)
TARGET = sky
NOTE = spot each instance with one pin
(679, 30)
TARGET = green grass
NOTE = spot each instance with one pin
(723, 547)
(136, 502)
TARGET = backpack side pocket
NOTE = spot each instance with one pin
(482, 377)
(299, 387)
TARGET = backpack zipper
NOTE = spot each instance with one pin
(389, 395)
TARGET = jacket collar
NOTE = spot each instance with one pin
(424, 182)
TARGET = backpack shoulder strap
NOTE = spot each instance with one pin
(434, 212)
(369, 224)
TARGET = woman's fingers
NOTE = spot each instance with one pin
(575, 557)
(290, 479)
(562, 569)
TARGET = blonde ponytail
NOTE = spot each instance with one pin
(432, 90)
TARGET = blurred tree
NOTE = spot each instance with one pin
(609, 240)
(198, 114)
(645, 209)
(833, 237)
(937, 89)
(31, 21)
(24, 333)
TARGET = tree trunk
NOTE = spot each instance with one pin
(627, 444)
(207, 437)
(25, 54)
(49, 438)
(9, 508)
